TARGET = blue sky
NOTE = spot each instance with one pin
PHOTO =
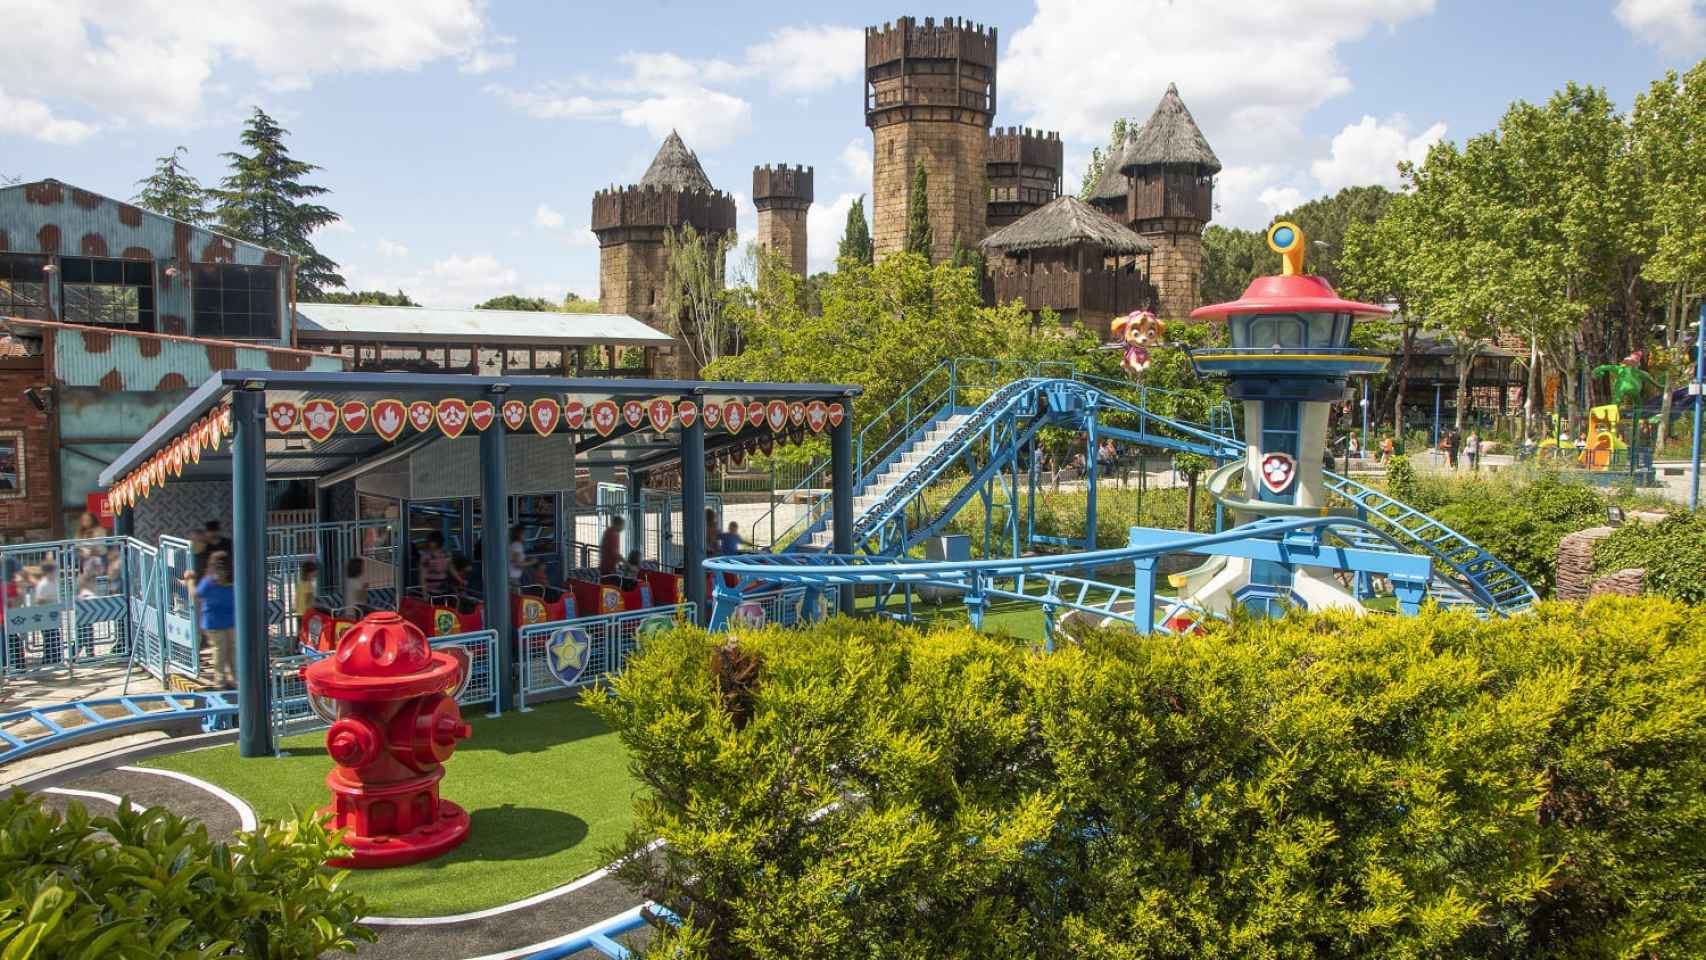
(462, 141)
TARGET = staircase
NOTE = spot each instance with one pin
(891, 475)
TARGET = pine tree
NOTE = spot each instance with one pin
(264, 199)
(918, 237)
(856, 240)
(170, 190)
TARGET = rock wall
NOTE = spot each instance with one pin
(954, 156)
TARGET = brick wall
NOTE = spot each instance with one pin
(630, 281)
(955, 157)
(1175, 268)
(29, 517)
(783, 230)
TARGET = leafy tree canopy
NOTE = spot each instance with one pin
(265, 201)
(374, 297)
(172, 192)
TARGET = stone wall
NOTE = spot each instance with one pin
(783, 230)
(1624, 583)
(1175, 267)
(630, 281)
(29, 516)
(954, 156)
(1575, 562)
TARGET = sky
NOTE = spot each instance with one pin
(462, 141)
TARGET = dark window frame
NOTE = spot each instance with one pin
(19, 268)
(225, 310)
(108, 273)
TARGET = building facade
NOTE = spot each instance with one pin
(1169, 170)
(783, 196)
(1023, 171)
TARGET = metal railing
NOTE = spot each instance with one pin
(587, 650)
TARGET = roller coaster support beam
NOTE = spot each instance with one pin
(1303, 549)
(1091, 475)
(1143, 588)
(494, 551)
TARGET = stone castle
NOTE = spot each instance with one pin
(930, 98)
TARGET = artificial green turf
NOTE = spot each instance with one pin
(546, 791)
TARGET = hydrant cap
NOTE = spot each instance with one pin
(383, 644)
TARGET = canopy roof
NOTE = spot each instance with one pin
(1170, 138)
(676, 168)
(1064, 222)
(292, 454)
(1294, 293)
(320, 322)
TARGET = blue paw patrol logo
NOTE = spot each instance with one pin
(567, 653)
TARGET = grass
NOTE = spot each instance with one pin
(547, 792)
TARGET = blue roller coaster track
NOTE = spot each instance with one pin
(970, 427)
(23, 732)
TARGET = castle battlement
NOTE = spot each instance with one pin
(616, 208)
(1022, 145)
(955, 38)
(782, 184)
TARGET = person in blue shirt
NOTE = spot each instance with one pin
(217, 601)
(729, 542)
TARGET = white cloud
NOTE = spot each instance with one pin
(1370, 150)
(1675, 26)
(1243, 194)
(548, 218)
(1248, 71)
(824, 229)
(23, 117)
(391, 249)
(856, 159)
(1279, 199)
(455, 281)
(705, 118)
(154, 61)
(809, 59)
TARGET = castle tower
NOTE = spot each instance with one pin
(1171, 198)
(1023, 172)
(630, 223)
(783, 195)
(930, 97)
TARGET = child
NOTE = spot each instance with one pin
(355, 584)
(307, 584)
(217, 602)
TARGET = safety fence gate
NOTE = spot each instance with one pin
(368, 552)
(657, 535)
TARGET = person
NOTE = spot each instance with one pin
(730, 542)
(518, 560)
(1450, 441)
(1472, 449)
(88, 588)
(88, 529)
(610, 546)
(1354, 446)
(355, 583)
(217, 602)
(1327, 457)
(461, 573)
(307, 584)
(216, 541)
(1386, 449)
(628, 571)
(435, 565)
(712, 532)
(45, 593)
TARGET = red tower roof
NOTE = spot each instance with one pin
(1296, 293)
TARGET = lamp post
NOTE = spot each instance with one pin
(1698, 389)
(1365, 416)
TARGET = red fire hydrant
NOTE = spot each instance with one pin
(395, 727)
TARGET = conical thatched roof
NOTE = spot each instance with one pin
(1171, 138)
(676, 168)
(1110, 188)
(1065, 222)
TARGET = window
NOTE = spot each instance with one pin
(236, 302)
(23, 287)
(11, 464)
(116, 293)
(1280, 331)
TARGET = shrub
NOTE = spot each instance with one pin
(1673, 552)
(1522, 525)
(146, 884)
(1321, 786)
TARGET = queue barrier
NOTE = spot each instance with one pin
(570, 654)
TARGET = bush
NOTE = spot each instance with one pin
(146, 884)
(1522, 525)
(1673, 552)
(1315, 787)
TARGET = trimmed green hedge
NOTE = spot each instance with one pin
(1673, 552)
(1315, 787)
(145, 884)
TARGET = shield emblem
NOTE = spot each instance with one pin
(688, 411)
(634, 412)
(661, 413)
(755, 413)
(796, 413)
(713, 415)
(837, 413)
(749, 614)
(776, 415)
(567, 653)
(532, 610)
(465, 664)
(320, 418)
(514, 414)
(452, 416)
(734, 415)
(225, 420)
(354, 415)
(604, 417)
(283, 416)
(1278, 472)
(817, 415)
(481, 413)
(574, 414)
(388, 418)
(544, 414)
(421, 414)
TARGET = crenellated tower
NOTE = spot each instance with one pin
(783, 196)
(630, 223)
(930, 97)
(1170, 198)
(1023, 171)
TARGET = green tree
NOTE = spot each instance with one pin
(918, 237)
(1100, 157)
(172, 192)
(856, 239)
(1231, 258)
(1377, 264)
(265, 201)
(515, 301)
(573, 303)
(1326, 220)
(692, 299)
(375, 297)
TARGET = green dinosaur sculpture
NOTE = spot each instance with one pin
(1626, 380)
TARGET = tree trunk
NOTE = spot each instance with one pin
(1533, 388)
(1673, 340)
(1465, 364)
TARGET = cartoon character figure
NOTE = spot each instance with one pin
(1626, 379)
(1138, 330)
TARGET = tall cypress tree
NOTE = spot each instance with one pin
(918, 214)
(171, 191)
(856, 240)
(264, 201)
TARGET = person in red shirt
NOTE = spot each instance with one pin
(610, 547)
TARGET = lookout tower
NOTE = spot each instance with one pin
(630, 223)
(783, 195)
(930, 98)
(1023, 172)
(1170, 198)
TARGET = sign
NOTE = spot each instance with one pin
(421, 415)
(688, 411)
(749, 614)
(661, 412)
(567, 653)
(100, 507)
(452, 416)
(544, 414)
(388, 418)
(1278, 472)
(354, 415)
(320, 418)
(574, 414)
(514, 414)
(283, 415)
(481, 413)
(604, 417)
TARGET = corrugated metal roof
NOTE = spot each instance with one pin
(344, 321)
